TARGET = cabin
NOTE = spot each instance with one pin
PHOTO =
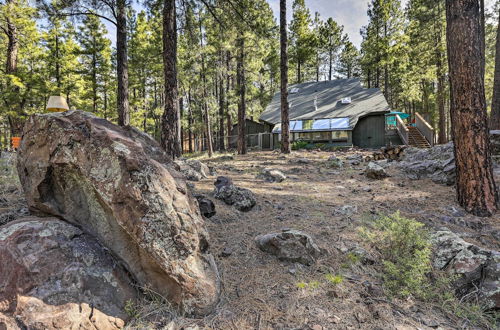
(254, 135)
(338, 112)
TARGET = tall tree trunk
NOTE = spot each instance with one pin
(170, 131)
(299, 73)
(208, 131)
(442, 138)
(122, 63)
(330, 65)
(285, 123)
(476, 189)
(15, 122)
(222, 105)
(240, 70)
(495, 103)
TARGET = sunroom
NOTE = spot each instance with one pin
(330, 130)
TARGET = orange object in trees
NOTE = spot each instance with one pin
(16, 142)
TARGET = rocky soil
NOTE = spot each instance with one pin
(318, 208)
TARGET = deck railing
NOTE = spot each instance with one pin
(425, 128)
(402, 130)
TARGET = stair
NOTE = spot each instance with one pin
(416, 139)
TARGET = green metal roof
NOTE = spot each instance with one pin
(316, 100)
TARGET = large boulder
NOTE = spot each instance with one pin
(241, 198)
(54, 276)
(290, 245)
(117, 185)
(478, 269)
(436, 163)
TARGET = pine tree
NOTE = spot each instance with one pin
(331, 40)
(348, 64)
(476, 189)
(301, 36)
(95, 55)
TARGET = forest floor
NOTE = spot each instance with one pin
(261, 292)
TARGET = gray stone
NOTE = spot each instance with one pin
(271, 175)
(346, 210)
(55, 276)
(207, 207)
(475, 266)
(118, 185)
(334, 162)
(242, 199)
(375, 171)
(436, 163)
(290, 245)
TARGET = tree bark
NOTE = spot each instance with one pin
(476, 189)
(208, 131)
(285, 123)
(170, 132)
(122, 63)
(330, 64)
(240, 70)
(16, 123)
(442, 138)
(495, 103)
(222, 103)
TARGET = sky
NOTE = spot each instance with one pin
(352, 14)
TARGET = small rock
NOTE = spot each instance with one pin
(271, 175)
(375, 171)
(226, 252)
(242, 199)
(290, 245)
(334, 162)
(346, 210)
(207, 207)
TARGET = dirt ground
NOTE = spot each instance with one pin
(261, 292)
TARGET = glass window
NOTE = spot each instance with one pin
(295, 125)
(337, 123)
(277, 128)
(307, 124)
(321, 124)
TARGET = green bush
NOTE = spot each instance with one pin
(406, 254)
(297, 145)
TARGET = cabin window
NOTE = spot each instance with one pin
(338, 123)
(307, 124)
(321, 124)
(314, 136)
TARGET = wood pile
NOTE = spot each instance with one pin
(389, 152)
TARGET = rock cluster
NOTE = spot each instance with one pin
(436, 163)
(476, 267)
(119, 187)
(242, 199)
(290, 245)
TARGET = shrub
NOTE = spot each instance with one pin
(406, 254)
(297, 145)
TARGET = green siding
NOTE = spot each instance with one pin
(369, 132)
